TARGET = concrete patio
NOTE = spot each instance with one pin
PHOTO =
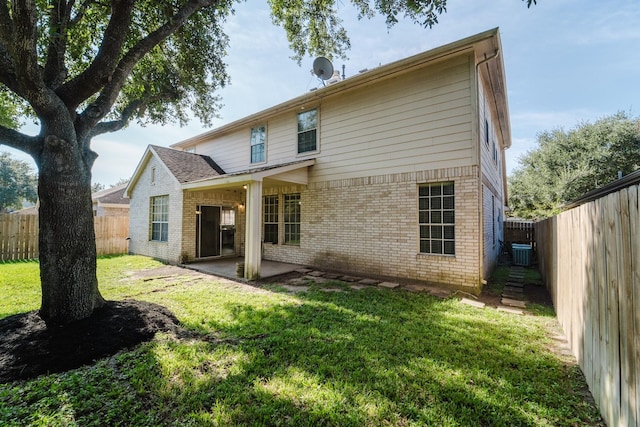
(226, 267)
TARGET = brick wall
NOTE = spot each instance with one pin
(140, 213)
(370, 225)
(363, 225)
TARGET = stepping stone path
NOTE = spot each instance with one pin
(301, 284)
(417, 288)
(316, 273)
(512, 295)
(513, 292)
(388, 285)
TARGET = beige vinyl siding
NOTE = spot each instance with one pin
(282, 139)
(232, 152)
(421, 121)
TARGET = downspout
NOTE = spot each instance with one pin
(479, 156)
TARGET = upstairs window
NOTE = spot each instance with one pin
(486, 132)
(307, 131)
(436, 217)
(495, 151)
(258, 138)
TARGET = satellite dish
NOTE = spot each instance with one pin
(323, 68)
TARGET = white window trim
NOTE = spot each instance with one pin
(317, 150)
(152, 222)
(277, 214)
(443, 239)
(266, 137)
(285, 222)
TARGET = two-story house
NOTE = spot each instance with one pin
(395, 172)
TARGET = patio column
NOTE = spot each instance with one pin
(252, 239)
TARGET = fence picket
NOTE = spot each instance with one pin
(633, 331)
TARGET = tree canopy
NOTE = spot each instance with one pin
(17, 183)
(567, 164)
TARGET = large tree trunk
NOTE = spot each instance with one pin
(67, 237)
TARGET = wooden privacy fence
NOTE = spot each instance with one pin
(519, 231)
(589, 257)
(19, 236)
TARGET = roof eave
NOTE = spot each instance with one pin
(245, 177)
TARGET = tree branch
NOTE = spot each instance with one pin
(101, 107)
(24, 47)
(7, 69)
(116, 125)
(87, 83)
(24, 52)
(55, 71)
(6, 26)
(31, 145)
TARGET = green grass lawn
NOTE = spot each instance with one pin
(266, 357)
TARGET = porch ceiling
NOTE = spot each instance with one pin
(289, 173)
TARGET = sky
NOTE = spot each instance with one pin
(566, 62)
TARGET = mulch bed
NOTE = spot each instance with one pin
(28, 348)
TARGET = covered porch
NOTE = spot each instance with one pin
(251, 183)
(227, 267)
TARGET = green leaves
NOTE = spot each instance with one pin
(566, 165)
(314, 27)
(181, 75)
(17, 182)
(8, 110)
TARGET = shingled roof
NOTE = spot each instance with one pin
(113, 195)
(187, 167)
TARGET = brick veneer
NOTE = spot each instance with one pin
(140, 213)
(370, 225)
(363, 225)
